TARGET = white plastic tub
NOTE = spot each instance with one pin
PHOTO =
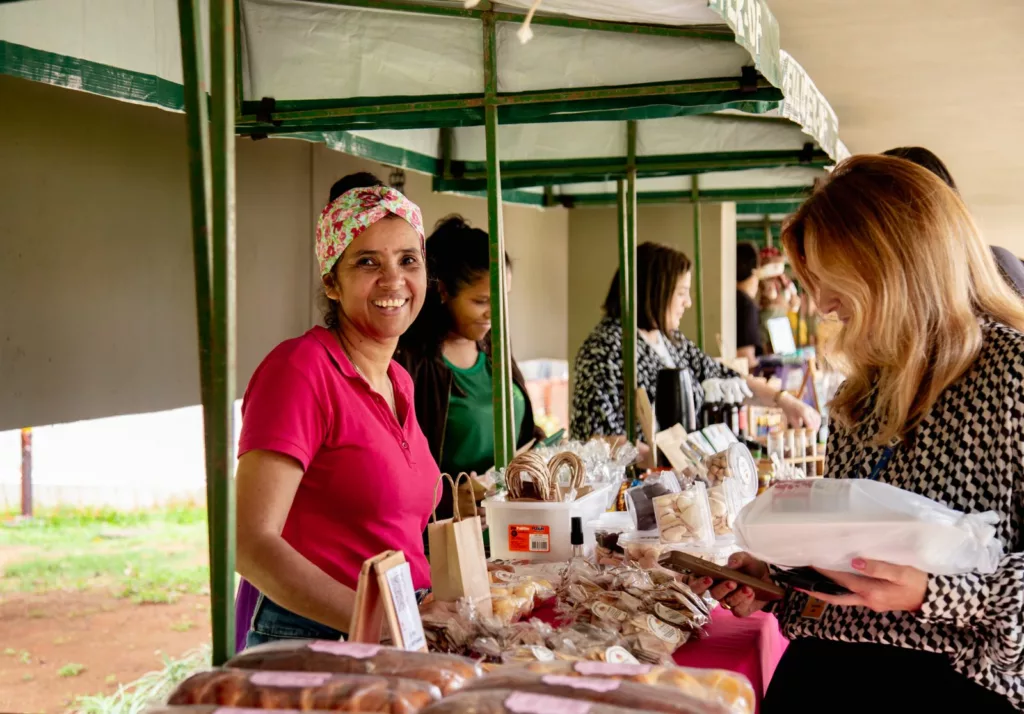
(540, 531)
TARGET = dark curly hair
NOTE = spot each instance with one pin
(362, 179)
(457, 256)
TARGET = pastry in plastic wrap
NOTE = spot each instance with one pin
(613, 692)
(305, 691)
(504, 701)
(729, 689)
(447, 672)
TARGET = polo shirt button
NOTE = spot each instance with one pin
(405, 444)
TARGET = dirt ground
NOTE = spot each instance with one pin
(46, 637)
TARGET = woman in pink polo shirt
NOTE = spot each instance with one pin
(333, 467)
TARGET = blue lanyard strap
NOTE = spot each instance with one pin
(883, 461)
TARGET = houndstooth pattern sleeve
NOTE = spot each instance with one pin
(597, 397)
(968, 454)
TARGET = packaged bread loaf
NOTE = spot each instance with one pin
(614, 692)
(505, 701)
(305, 691)
(718, 686)
(447, 672)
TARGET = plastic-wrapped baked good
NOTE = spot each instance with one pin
(505, 701)
(729, 689)
(305, 691)
(447, 672)
(613, 692)
(685, 517)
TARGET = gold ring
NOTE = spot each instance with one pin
(726, 605)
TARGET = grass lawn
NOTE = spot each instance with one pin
(92, 600)
(150, 557)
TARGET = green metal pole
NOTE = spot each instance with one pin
(501, 357)
(220, 446)
(199, 177)
(627, 281)
(698, 275)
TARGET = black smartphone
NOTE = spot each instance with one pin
(808, 578)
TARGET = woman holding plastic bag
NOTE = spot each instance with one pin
(932, 343)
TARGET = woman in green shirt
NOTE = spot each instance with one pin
(447, 352)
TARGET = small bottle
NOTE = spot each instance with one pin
(744, 416)
(576, 537)
(776, 445)
(811, 452)
(799, 446)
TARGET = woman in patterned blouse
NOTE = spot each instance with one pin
(663, 279)
(933, 344)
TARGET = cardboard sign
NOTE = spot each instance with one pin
(385, 591)
(645, 413)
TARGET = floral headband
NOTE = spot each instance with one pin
(351, 213)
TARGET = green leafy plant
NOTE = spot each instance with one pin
(149, 690)
(70, 670)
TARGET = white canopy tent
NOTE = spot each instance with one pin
(647, 96)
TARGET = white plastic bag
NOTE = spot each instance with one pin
(826, 523)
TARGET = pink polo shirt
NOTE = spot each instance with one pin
(369, 480)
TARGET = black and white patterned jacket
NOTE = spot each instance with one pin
(968, 454)
(597, 399)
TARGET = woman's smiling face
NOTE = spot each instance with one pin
(381, 279)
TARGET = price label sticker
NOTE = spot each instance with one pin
(529, 539)
(403, 597)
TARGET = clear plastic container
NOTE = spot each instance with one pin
(540, 530)
(685, 517)
(639, 499)
(725, 503)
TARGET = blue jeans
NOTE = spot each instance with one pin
(271, 623)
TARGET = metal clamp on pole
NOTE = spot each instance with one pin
(749, 79)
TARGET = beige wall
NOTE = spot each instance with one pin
(97, 305)
(593, 260)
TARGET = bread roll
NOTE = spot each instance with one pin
(447, 672)
(305, 691)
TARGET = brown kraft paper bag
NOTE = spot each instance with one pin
(458, 566)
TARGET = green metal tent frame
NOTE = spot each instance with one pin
(214, 121)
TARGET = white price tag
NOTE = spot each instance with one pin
(407, 612)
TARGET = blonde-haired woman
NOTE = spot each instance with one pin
(932, 342)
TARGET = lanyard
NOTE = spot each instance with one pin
(883, 461)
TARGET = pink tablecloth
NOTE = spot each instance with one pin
(751, 646)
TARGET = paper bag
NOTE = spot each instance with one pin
(458, 565)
